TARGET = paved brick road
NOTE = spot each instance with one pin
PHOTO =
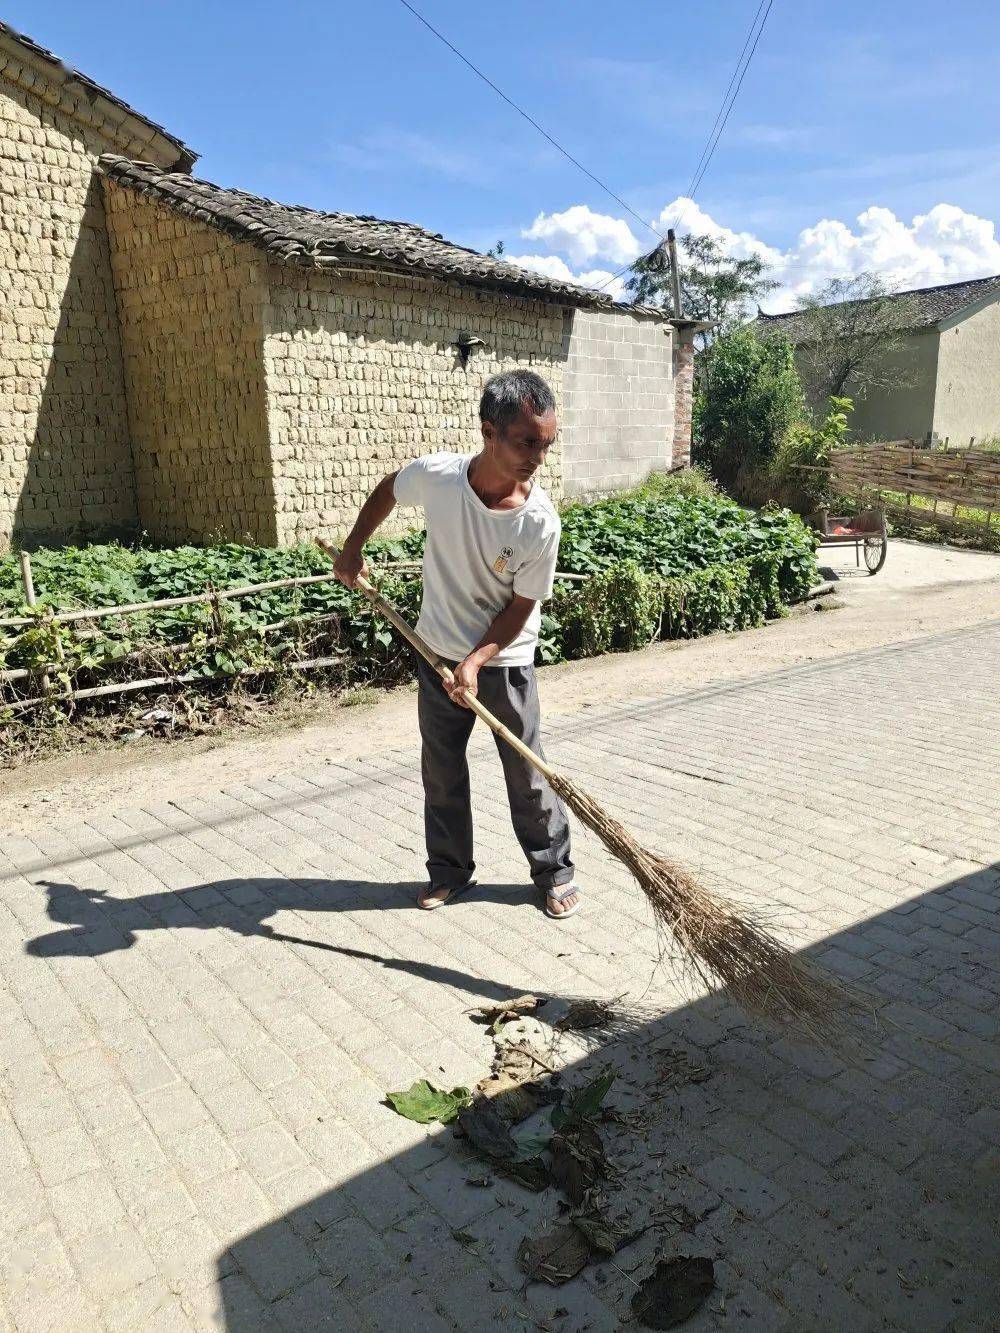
(204, 1002)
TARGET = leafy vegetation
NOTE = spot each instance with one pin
(749, 398)
(673, 559)
(676, 534)
(809, 445)
(672, 567)
(423, 1102)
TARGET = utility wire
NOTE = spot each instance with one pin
(521, 112)
(693, 183)
(708, 152)
(732, 102)
(721, 119)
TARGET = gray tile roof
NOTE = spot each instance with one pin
(330, 241)
(186, 157)
(921, 308)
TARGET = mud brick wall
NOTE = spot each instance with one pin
(65, 464)
(190, 302)
(363, 375)
(619, 411)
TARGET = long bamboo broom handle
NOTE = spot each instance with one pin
(440, 666)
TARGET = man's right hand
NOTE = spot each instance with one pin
(349, 566)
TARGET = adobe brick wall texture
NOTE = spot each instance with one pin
(191, 303)
(363, 375)
(618, 423)
(65, 461)
(157, 375)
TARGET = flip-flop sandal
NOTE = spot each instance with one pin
(560, 895)
(432, 906)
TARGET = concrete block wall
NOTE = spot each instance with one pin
(363, 375)
(191, 303)
(65, 464)
(618, 417)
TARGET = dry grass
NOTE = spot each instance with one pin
(724, 946)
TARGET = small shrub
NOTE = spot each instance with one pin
(693, 482)
(806, 446)
(724, 597)
(748, 400)
(614, 612)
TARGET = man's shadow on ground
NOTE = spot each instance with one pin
(99, 924)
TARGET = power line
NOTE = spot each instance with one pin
(711, 143)
(736, 94)
(721, 119)
(692, 184)
(534, 123)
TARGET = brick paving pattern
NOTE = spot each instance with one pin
(205, 999)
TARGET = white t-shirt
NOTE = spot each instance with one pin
(477, 559)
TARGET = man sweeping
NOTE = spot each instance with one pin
(489, 563)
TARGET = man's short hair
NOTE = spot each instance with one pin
(506, 394)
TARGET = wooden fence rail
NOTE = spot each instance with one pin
(966, 478)
(210, 597)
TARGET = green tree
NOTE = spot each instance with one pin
(748, 400)
(714, 286)
(847, 333)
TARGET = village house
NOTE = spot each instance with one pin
(942, 378)
(197, 363)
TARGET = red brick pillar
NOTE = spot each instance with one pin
(683, 395)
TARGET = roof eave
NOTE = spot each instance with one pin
(109, 112)
(118, 171)
(967, 311)
(333, 264)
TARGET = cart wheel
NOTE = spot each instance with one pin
(876, 550)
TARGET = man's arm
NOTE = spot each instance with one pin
(375, 510)
(504, 630)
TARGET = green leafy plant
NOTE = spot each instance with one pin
(583, 1104)
(424, 1103)
(615, 611)
(694, 482)
(806, 446)
(749, 398)
(673, 559)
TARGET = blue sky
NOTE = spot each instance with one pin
(886, 112)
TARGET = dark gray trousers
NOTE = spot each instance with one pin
(511, 694)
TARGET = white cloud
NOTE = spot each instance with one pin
(584, 235)
(945, 244)
(686, 216)
(554, 267)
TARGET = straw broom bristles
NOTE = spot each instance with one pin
(723, 946)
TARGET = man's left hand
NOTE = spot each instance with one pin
(466, 676)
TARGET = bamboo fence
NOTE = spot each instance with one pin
(211, 597)
(967, 479)
(959, 478)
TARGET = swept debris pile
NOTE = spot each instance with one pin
(530, 1128)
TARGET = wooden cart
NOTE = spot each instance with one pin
(866, 532)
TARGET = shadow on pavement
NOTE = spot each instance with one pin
(99, 924)
(831, 1194)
